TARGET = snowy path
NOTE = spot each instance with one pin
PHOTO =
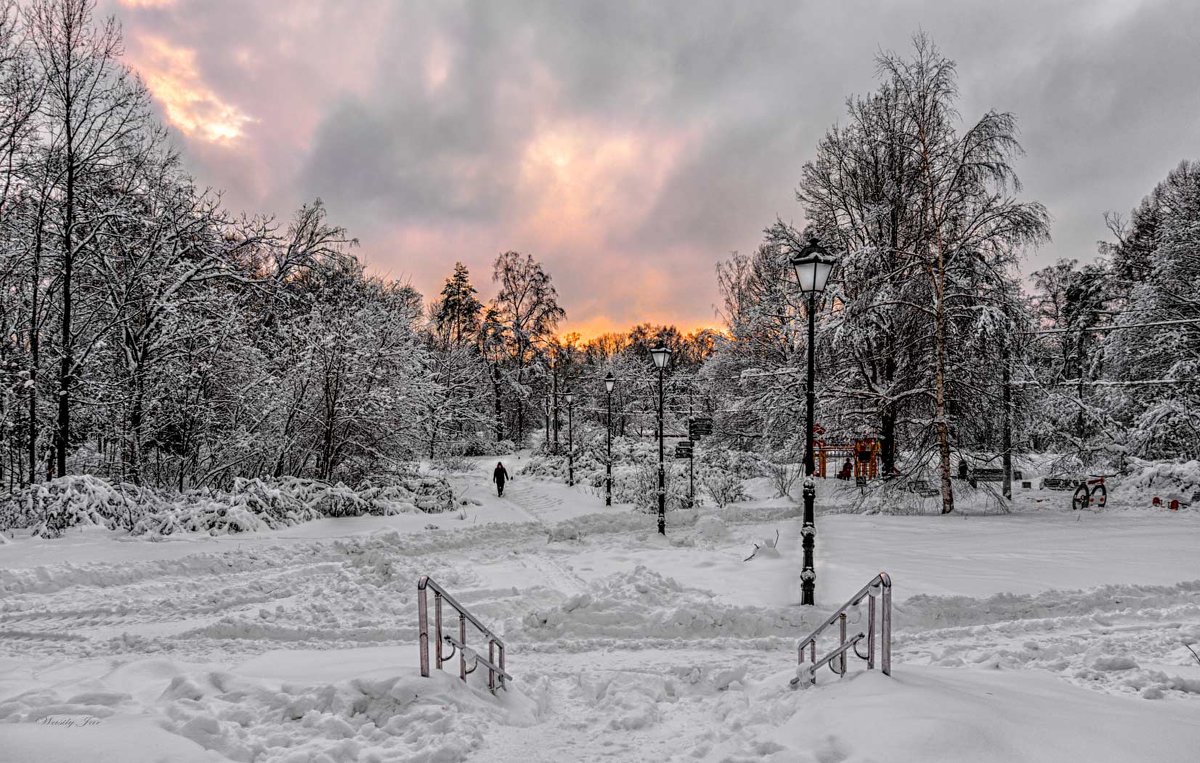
(626, 646)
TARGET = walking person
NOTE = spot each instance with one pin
(499, 476)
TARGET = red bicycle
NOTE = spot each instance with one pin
(1090, 492)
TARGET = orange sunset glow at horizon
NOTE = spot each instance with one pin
(591, 329)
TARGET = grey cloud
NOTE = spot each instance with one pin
(1104, 94)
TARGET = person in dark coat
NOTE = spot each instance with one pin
(499, 476)
(847, 470)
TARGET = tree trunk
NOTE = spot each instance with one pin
(34, 353)
(887, 439)
(134, 457)
(554, 399)
(941, 424)
(62, 433)
(938, 280)
(496, 395)
(1006, 436)
(332, 398)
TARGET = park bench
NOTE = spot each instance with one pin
(1060, 483)
(922, 487)
(989, 474)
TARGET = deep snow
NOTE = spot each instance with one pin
(1040, 635)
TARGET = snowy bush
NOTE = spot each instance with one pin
(634, 471)
(724, 487)
(452, 464)
(201, 513)
(52, 507)
(783, 476)
(639, 485)
(1165, 481)
(721, 472)
(545, 466)
(481, 446)
(429, 494)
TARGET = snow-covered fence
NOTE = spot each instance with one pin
(880, 587)
(496, 673)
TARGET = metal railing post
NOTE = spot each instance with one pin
(842, 640)
(502, 668)
(492, 660)
(437, 626)
(870, 631)
(423, 627)
(885, 630)
(462, 650)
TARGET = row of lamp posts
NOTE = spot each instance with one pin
(609, 385)
(813, 266)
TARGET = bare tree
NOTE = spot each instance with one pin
(94, 111)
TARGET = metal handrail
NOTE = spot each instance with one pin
(496, 672)
(828, 659)
(880, 586)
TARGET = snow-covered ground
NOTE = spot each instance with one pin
(1043, 635)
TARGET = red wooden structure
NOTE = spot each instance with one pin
(863, 455)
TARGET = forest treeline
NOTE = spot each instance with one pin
(149, 335)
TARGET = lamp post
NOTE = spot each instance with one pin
(570, 438)
(609, 384)
(662, 356)
(813, 266)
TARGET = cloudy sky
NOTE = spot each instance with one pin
(631, 145)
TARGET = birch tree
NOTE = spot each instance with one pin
(929, 226)
(527, 306)
(972, 225)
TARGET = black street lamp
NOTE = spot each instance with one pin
(662, 356)
(813, 266)
(570, 438)
(609, 384)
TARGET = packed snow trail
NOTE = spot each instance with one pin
(625, 645)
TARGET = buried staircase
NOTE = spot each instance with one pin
(878, 630)
(880, 588)
(497, 676)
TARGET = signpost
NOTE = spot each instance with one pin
(697, 428)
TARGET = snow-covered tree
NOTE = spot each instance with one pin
(523, 316)
(1158, 366)
(928, 223)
